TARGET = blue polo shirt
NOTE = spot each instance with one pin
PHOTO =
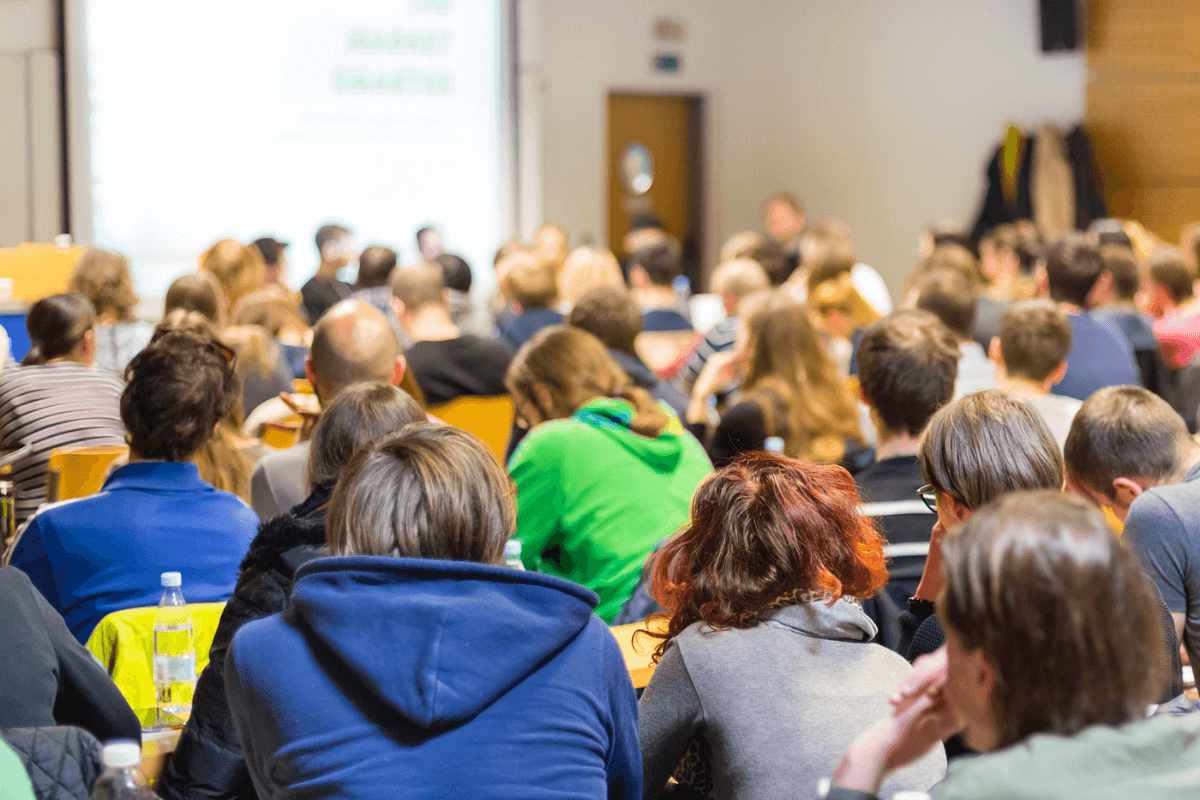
(107, 552)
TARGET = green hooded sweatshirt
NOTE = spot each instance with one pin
(594, 498)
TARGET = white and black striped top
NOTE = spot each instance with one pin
(48, 406)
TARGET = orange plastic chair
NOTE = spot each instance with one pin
(81, 471)
(490, 418)
(282, 435)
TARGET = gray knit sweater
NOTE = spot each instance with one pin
(778, 702)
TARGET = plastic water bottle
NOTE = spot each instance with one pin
(773, 444)
(121, 779)
(512, 554)
(174, 649)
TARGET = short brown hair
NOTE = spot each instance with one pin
(987, 444)
(102, 276)
(238, 268)
(740, 277)
(177, 389)
(662, 262)
(1126, 432)
(359, 414)
(953, 257)
(1062, 612)
(609, 314)
(1035, 338)
(527, 279)
(1004, 236)
(907, 365)
(375, 264)
(827, 250)
(1170, 269)
(1073, 266)
(420, 285)
(200, 292)
(951, 297)
(764, 530)
(1119, 262)
(429, 491)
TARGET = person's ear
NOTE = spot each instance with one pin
(1126, 490)
(1059, 373)
(397, 306)
(543, 400)
(1041, 281)
(862, 397)
(309, 372)
(995, 353)
(398, 370)
(959, 511)
(638, 278)
(983, 686)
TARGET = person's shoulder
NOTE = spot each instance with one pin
(553, 439)
(1177, 504)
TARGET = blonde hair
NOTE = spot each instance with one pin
(574, 367)
(803, 399)
(585, 269)
(239, 269)
(528, 280)
(102, 276)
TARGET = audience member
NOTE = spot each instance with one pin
(761, 588)
(1116, 303)
(335, 248)
(469, 316)
(445, 362)
(1037, 575)
(417, 649)
(198, 292)
(532, 285)
(551, 246)
(950, 256)
(1030, 356)
(652, 272)
(791, 391)
(826, 251)
(1171, 288)
(103, 278)
(585, 269)
(56, 398)
(1100, 355)
(429, 242)
(278, 314)
(375, 265)
(1003, 282)
(949, 296)
(104, 553)
(645, 230)
(732, 281)
(611, 315)
(594, 519)
(49, 678)
(208, 760)
(274, 261)
(352, 342)
(238, 269)
(785, 225)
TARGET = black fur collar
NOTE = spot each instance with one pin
(303, 525)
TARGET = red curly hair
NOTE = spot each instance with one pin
(764, 529)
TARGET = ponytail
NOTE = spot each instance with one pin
(56, 324)
(33, 357)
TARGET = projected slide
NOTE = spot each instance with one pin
(270, 117)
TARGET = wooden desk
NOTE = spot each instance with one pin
(638, 650)
(157, 747)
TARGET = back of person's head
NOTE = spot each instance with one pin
(192, 322)
(949, 232)
(738, 279)
(56, 325)
(199, 292)
(551, 245)
(456, 272)
(270, 309)
(1168, 267)
(827, 251)
(505, 250)
(562, 367)
(1121, 264)
(611, 315)
(375, 264)
(1126, 432)
(102, 276)
(952, 257)
(1062, 612)
(329, 235)
(987, 444)
(429, 491)
(361, 413)
(271, 250)
(352, 342)
(907, 364)
(1107, 232)
(528, 279)
(740, 244)
(418, 286)
(769, 255)
(766, 532)
(662, 262)
(950, 296)
(239, 269)
(1072, 266)
(177, 389)
(1000, 238)
(588, 268)
(1035, 338)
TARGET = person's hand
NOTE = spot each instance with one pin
(721, 370)
(929, 673)
(932, 577)
(308, 417)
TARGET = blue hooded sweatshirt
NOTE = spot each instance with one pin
(400, 677)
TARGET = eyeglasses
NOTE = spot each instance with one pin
(928, 496)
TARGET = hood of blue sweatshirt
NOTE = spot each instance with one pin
(437, 641)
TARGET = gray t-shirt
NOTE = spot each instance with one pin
(1163, 528)
(1058, 411)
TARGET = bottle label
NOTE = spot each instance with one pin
(175, 669)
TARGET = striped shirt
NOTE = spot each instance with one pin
(48, 406)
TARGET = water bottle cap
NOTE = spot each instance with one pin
(121, 754)
(512, 547)
(172, 579)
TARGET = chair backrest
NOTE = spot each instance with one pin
(81, 470)
(282, 435)
(124, 643)
(490, 418)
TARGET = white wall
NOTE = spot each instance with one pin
(879, 113)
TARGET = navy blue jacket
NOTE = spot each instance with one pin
(433, 679)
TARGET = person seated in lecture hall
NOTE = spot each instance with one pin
(1114, 300)
(57, 398)
(733, 281)
(375, 265)
(761, 589)
(209, 761)
(103, 278)
(652, 272)
(1037, 572)
(604, 473)
(951, 296)
(531, 283)
(413, 661)
(95, 555)
(352, 342)
(1172, 298)
(335, 246)
(445, 362)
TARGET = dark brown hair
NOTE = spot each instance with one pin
(56, 325)
(177, 389)
(948, 294)
(375, 264)
(359, 414)
(1073, 266)
(611, 315)
(1120, 263)
(199, 292)
(662, 262)
(429, 491)
(907, 365)
(1169, 269)
(102, 276)
(762, 530)
(1062, 612)
(1035, 338)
